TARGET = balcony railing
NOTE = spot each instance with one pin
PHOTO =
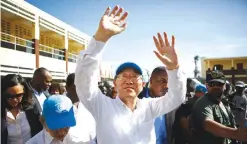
(72, 57)
(16, 43)
(235, 72)
(51, 52)
(24, 45)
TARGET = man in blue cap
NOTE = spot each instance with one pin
(126, 119)
(57, 118)
(200, 91)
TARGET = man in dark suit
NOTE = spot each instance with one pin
(40, 84)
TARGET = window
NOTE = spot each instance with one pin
(218, 67)
(239, 66)
(5, 27)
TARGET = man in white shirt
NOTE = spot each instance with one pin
(126, 119)
(57, 118)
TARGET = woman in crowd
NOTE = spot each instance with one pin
(19, 117)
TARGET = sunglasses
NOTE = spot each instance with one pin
(215, 84)
(11, 96)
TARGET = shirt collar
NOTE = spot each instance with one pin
(36, 92)
(123, 104)
(10, 116)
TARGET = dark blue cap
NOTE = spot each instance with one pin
(127, 65)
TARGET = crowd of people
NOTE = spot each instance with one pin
(169, 109)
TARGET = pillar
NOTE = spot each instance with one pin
(36, 30)
(233, 75)
(66, 47)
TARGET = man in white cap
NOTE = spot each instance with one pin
(126, 119)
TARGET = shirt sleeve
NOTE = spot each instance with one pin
(201, 112)
(87, 74)
(175, 96)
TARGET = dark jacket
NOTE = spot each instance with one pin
(35, 102)
(32, 114)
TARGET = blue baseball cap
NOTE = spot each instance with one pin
(127, 65)
(201, 88)
(58, 112)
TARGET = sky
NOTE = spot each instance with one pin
(207, 28)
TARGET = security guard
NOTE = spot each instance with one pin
(211, 122)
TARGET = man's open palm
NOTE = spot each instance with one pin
(166, 52)
(113, 22)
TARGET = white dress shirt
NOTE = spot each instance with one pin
(115, 123)
(19, 130)
(41, 97)
(85, 131)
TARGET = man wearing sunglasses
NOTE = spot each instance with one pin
(211, 122)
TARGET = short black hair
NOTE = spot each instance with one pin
(40, 71)
(158, 70)
(70, 80)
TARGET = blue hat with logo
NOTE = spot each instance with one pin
(58, 112)
(201, 88)
(127, 65)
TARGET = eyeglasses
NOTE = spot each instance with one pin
(215, 84)
(10, 96)
(132, 78)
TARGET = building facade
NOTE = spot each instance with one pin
(31, 38)
(234, 68)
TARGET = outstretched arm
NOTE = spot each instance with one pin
(176, 79)
(87, 69)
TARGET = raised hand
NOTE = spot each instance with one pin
(111, 23)
(166, 52)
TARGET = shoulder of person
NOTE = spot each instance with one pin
(37, 138)
(202, 103)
